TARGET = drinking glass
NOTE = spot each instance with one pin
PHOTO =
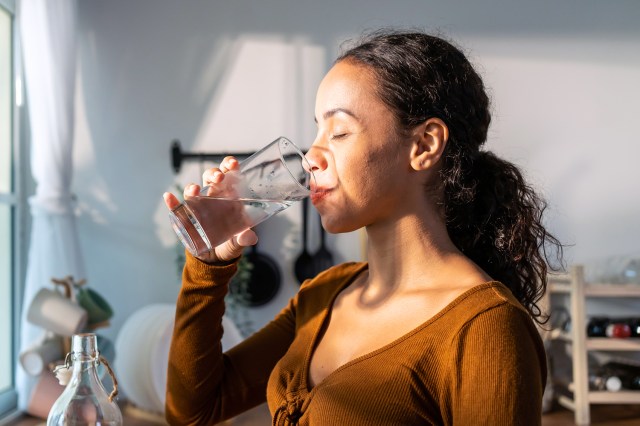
(266, 183)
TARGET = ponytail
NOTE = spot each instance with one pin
(495, 218)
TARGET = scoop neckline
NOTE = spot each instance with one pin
(325, 315)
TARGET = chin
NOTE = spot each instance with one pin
(338, 224)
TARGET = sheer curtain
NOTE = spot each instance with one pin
(48, 31)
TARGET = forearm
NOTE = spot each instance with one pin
(196, 365)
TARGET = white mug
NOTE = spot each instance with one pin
(54, 312)
(36, 358)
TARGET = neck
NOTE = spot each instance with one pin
(414, 253)
(397, 248)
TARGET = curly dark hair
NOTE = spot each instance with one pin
(493, 216)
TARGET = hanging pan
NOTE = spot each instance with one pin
(264, 283)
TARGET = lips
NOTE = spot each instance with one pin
(318, 194)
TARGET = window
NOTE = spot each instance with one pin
(9, 212)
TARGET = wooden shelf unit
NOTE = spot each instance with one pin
(574, 285)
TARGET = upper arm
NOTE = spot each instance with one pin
(497, 370)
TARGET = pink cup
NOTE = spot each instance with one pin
(45, 393)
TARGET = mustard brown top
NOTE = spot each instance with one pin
(479, 361)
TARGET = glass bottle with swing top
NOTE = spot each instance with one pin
(85, 401)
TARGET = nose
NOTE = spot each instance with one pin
(316, 157)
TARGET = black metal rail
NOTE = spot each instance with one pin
(178, 156)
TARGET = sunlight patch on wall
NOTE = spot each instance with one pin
(263, 93)
(259, 87)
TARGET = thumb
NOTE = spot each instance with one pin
(233, 247)
(247, 238)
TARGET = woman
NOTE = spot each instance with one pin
(437, 327)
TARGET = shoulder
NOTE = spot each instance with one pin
(494, 366)
(489, 327)
(491, 296)
(489, 313)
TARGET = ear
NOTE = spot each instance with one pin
(430, 139)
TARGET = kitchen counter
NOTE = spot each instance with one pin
(257, 416)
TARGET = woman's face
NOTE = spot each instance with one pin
(360, 162)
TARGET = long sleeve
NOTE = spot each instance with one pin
(497, 370)
(205, 386)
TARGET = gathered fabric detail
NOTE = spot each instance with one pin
(289, 412)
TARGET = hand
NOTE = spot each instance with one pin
(213, 178)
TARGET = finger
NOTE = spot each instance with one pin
(212, 176)
(191, 190)
(170, 200)
(229, 163)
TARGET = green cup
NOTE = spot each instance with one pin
(96, 306)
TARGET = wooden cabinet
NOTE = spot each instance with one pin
(574, 286)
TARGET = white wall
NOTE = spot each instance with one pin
(234, 75)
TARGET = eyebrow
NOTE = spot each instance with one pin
(334, 111)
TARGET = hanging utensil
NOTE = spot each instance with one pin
(322, 259)
(304, 264)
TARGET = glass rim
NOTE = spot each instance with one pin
(304, 161)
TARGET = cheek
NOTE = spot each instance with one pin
(367, 174)
(366, 182)
(356, 180)
(354, 205)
